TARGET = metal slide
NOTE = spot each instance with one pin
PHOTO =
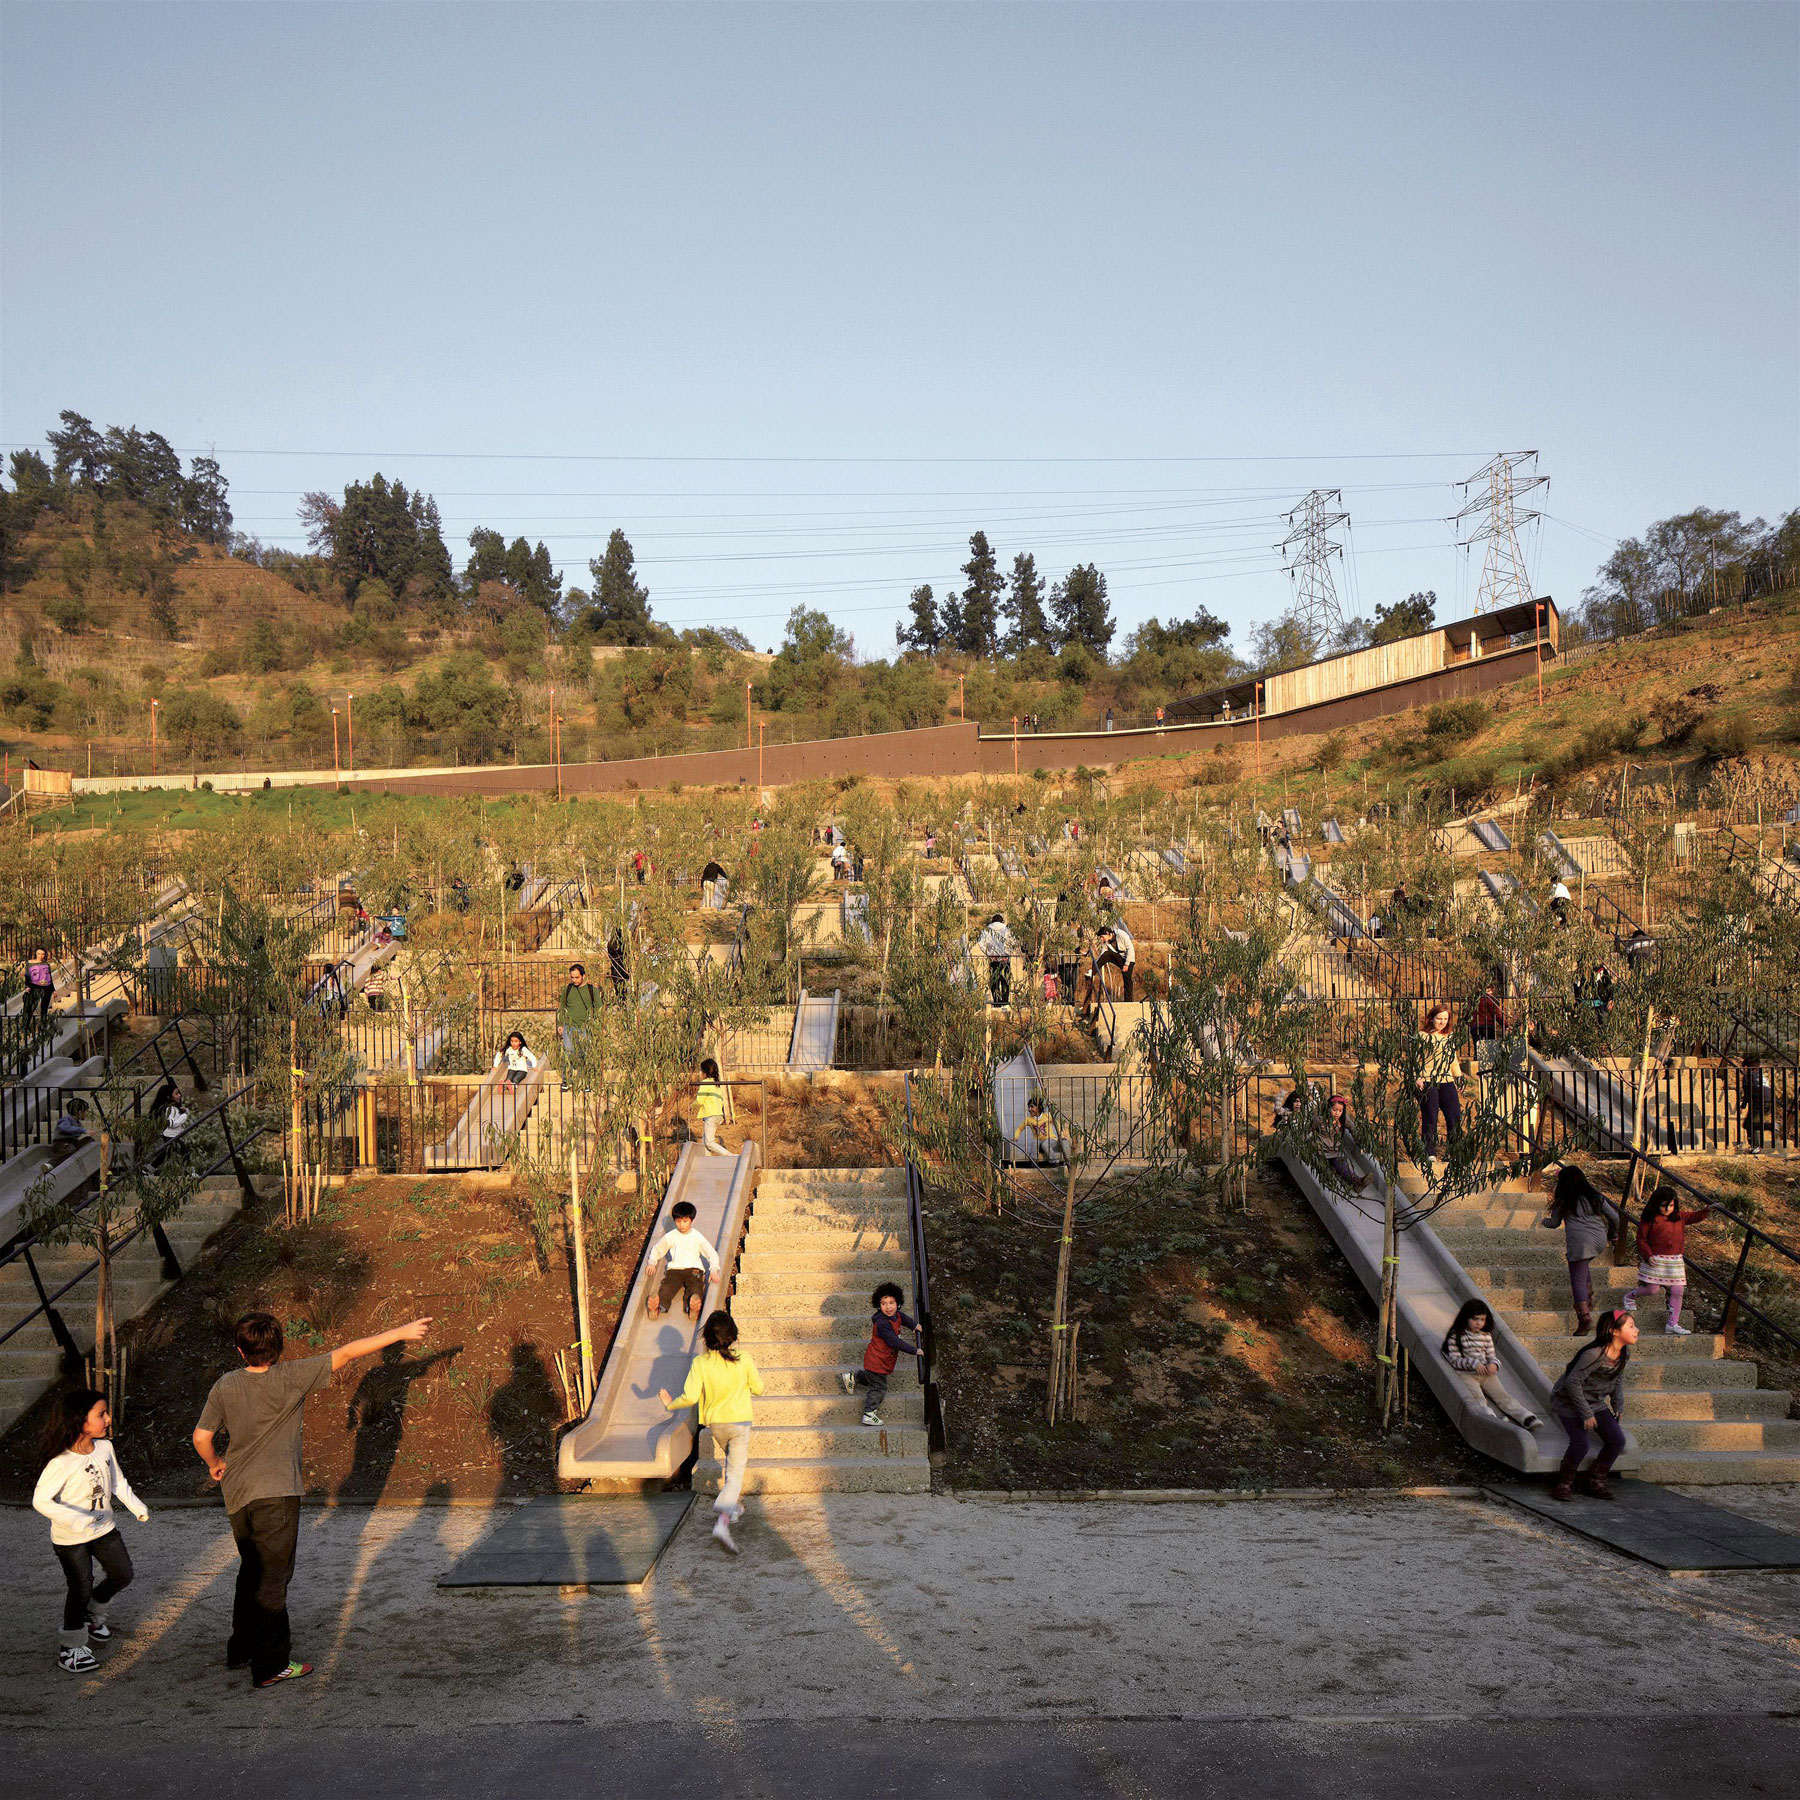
(814, 1042)
(21, 1173)
(627, 1435)
(1490, 837)
(1432, 1287)
(1015, 1081)
(497, 1109)
(1332, 831)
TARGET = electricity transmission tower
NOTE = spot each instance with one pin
(1306, 552)
(1492, 517)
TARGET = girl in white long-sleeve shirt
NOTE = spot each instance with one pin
(76, 1493)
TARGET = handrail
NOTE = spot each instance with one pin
(1732, 1300)
(921, 1273)
(23, 1243)
(1783, 883)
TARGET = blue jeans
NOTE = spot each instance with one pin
(1612, 1442)
(1436, 1096)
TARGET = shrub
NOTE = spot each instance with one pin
(1455, 721)
(1677, 717)
(1330, 753)
(67, 612)
(1725, 735)
(200, 723)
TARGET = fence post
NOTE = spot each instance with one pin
(1728, 1320)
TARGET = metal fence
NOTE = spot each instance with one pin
(1723, 1111)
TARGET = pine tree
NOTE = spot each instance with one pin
(979, 624)
(620, 610)
(1024, 607)
(925, 634)
(1079, 606)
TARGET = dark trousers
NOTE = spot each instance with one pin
(1612, 1442)
(1000, 979)
(78, 1571)
(1433, 1097)
(267, 1533)
(877, 1386)
(37, 997)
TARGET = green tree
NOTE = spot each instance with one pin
(1405, 618)
(978, 610)
(528, 572)
(926, 632)
(619, 612)
(1079, 606)
(1027, 627)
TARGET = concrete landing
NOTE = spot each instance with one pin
(1670, 1531)
(573, 1540)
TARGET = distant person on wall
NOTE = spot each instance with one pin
(40, 987)
(1560, 901)
(1590, 1397)
(1109, 719)
(713, 883)
(690, 1263)
(721, 1382)
(640, 866)
(997, 945)
(80, 1480)
(1126, 945)
(885, 1348)
(1579, 1210)
(578, 1007)
(260, 1409)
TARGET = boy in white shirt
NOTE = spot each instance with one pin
(691, 1263)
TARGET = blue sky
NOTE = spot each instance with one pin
(801, 296)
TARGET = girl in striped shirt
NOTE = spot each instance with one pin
(1469, 1346)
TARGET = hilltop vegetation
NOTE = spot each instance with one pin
(122, 582)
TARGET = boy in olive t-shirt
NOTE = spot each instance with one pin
(261, 1407)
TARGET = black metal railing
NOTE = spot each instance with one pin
(921, 1283)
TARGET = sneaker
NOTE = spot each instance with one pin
(872, 1418)
(77, 1659)
(1629, 1304)
(847, 1381)
(292, 1672)
(99, 1631)
(1676, 1331)
(722, 1532)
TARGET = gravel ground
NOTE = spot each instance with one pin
(929, 1607)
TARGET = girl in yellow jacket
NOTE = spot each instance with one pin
(721, 1380)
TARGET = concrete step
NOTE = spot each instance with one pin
(1709, 1403)
(1714, 1467)
(791, 1182)
(789, 1304)
(804, 1443)
(830, 1214)
(839, 1346)
(1494, 1249)
(815, 1475)
(1781, 1435)
(1548, 1320)
(830, 1275)
(836, 1409)
(1652, 1347)
(35, 1361)
(780, 1235)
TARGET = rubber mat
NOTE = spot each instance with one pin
(1668, 1530)
(573, 1540)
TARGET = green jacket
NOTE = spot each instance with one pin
(578, 1004)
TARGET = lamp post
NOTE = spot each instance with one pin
(962, 711)
(153, 707)
(336, 769)
(762, 728)
(1537, 620)
(1015, 746)
(1256, 703)
(749, 739)
(350, 727)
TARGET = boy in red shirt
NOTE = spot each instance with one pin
(884, 1350)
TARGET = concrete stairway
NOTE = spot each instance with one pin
(819, 1241)
(1696, 1416)
(30, 1361)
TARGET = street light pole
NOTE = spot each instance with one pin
(1256, 702)
(749, 740)
(1015, 746)
(336, 768)
(153, 705)
(762, 727)
(350, 726)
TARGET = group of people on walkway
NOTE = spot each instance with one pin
(257, 1409)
